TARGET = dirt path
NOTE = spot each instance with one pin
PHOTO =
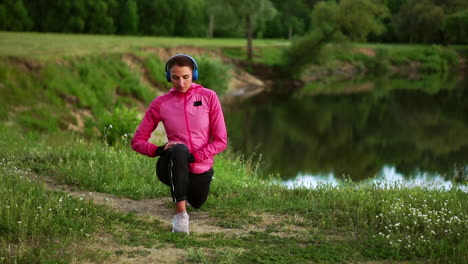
(161, 209)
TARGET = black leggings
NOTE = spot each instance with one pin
(172, 169)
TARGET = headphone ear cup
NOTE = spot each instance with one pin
(195, 75)
(168, 76)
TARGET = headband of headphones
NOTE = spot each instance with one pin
(194, 72)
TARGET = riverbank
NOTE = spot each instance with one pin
(46, 214)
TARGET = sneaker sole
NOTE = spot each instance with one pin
(180, 232)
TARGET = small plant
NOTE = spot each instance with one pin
(119, 125)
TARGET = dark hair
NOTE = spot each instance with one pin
(180, 61)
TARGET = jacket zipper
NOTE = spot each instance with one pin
(187, 125)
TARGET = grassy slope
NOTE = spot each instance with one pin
(346, 224)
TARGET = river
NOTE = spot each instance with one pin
(382, 129)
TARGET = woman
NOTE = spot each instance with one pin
(196, 132)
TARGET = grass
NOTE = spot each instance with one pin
(351, 222)
(46, 46)
(37, 225)
(95, 84)
(267, 55)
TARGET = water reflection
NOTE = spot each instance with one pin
(411, 126)
(388, 177)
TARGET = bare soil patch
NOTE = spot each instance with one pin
(367, 51)
(25, 64)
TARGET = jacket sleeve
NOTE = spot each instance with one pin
(217, 131)
(143, 133)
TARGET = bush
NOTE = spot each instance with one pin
(455, 28)
(214, 74)
(119, 125)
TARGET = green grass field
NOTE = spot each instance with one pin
(50, 46)
(256, 219)
(350, 223)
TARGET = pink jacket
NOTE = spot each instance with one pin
(194, 118)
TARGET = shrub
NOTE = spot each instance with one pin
(119, 125)
(455, 27)
(214, 74)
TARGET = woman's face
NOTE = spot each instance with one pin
(181, 77)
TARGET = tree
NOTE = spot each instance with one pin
(191, 20)
(420, 21)
(325, 20)
(214, 8)
(455, 27)
(325, 28)
(128, 22)
(99, 19)
(335, 22)
(451, 6)
(14, 16)
(359, 18)
(159, 17)
(294, 14)
(222, 20)
(252, 13)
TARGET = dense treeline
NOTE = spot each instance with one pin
(413, 21)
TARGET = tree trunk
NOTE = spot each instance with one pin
(249, 38)
(211, 26)
(290, 33)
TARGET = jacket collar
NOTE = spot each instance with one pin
(193, 88)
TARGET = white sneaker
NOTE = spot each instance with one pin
(180, 223)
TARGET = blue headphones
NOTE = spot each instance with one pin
(194, 72)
